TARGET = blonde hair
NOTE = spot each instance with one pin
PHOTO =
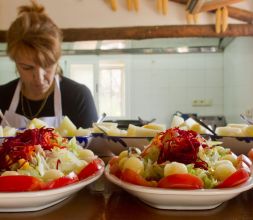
(35, 35)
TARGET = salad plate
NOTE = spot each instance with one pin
(38, 200)
(172, 199)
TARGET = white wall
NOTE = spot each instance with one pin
(96, 13)
(7, 70)
(163, 84)
(238, 78)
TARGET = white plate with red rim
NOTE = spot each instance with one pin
(171, 199)
(38, 200)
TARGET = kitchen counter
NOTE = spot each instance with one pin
(103, 200)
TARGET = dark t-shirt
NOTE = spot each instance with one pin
(77, 102)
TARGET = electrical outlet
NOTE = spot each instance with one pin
(202, 102)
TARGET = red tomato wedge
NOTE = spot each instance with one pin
(131, 176)
(250, 154)
(181, 181)
(245, 159)
(242, 164)
(90, 168)
(19, 183)
(114, 167)
(60, 182)
(237, 178)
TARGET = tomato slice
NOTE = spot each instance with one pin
(19, 183)
(245, 159)
(90, 168)
(131, 176)
(250, 154)
(114, 167)
(237, 178)
(181, 181)
(242, 164)
(60, 182)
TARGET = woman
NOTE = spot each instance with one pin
(34, 44)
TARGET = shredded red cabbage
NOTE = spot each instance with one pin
(22, 146)
(181, 146)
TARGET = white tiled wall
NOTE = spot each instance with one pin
(163, 84)
(238, 75)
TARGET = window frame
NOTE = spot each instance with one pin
(67, 60)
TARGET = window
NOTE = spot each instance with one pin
(106, 80)
(111, 90)
(83, 73)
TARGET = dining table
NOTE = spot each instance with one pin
(102, 200)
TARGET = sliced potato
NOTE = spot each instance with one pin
(83, 132)
(176, 121)
(9, 131)
(37, 123)
(154, 126)
(67, 127)
(135, 131)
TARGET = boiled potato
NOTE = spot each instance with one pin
(52, 174)
(193, 125)
(174, 168)
(122, 162)
(123, 154)
(219, 162)
(135, 131)
(184, 127)
(231, 157)
(229, 131)
(10, 173)
(237, 125)
(37, 123)
(154, 126)
(116, 132)
(83, 132)
(248, 131)
(176, 121)
(224, 170)
(198, 128)
(106, 126)
(67, 127)
(86, 154)
(135, 164)
(9, 131)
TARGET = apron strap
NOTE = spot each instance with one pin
(57, 97)
(15, 98)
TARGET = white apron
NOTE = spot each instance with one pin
(20, 121)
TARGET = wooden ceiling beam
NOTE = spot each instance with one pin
(240, 14)
(213, 5)
(233, 12)
(148, 32)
